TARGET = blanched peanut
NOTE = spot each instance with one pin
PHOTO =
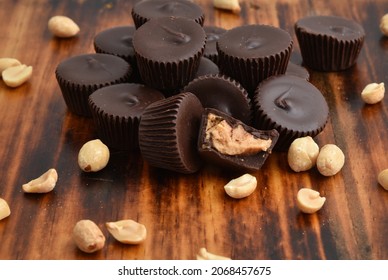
(88, 237)
(93, 156)
(7, 62)
(302, 154)
(383, 179)
(5, 211)
(241, 187)
(384, 25)
(44, 184)
(15, 76)
(373, 93)
(203, 254)
(63, 27)
(330, 160)
(127, 231)
(309, 201)
(230, 5)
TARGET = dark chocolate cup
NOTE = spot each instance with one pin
(251, 162)
(329, 43)
(292, 106)
(145, 10)
(168, 133)
(79, 76)
(117, 110)
(250, 67)
(213, 33)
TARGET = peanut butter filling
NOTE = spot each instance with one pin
(230, 140)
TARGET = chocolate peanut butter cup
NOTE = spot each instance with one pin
(252, 53)
(229, 143)
(207, 67)
(224, 94)
(168, 133)
(213, 33)
(329, 43)
(168, 52)
(292, 106)
(145, 10)
(297, 70)
(79, 76)
(117, 111)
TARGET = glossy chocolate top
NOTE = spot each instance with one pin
(169, 39)
(93, 69)
(213, 33)
(292, 102)
(150, 9)
(124, 100)
(116, 40)
(253, 41)
(224, 94)
(333, 26)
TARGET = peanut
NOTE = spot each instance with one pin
(230, 5)
(7, 62)
(373, 93)
(384, 25)
(330, 160)
(15, 76)
(309, 201)
(5, 211)
(127, 231)
(88, 237)
(302, 154)
(63, 27)
(241, 187)
(93, 156)
(203, 254)
(383, 179)
(43, 184)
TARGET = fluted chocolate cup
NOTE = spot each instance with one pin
(168, 52)
(168, 133)
(252, 53)
(329, 43)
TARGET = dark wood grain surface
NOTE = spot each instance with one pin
(185, 212)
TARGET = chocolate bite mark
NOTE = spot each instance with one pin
(233, 139)
(281, 101)
(177, 37)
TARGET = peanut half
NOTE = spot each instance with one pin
(127, 231)
(373, 93)
(384, 25)
(7, 62)
(241, 187)
(5, 211)
(230, 5)
(383, 179)
(63, 27)
(15, 76)
(330, 160)
(43, 184)
(203, 254)
(88, 237)
(309, 201)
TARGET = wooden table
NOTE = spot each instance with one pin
(185, 212)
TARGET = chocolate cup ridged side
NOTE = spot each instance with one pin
(77, 96)
(116, 132)
(138, 20)
(251, 71)
(212, 57)
(168, 76)
(325, 53)
(159, 138)
(286, 136)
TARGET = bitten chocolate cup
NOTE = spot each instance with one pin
(146, 10)
(168, 133)
(79, 76)
(224, 94)
(292, 106)
(168, 52)
(117, 111)
(329, 43)
(252, 53)
(229, 143)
